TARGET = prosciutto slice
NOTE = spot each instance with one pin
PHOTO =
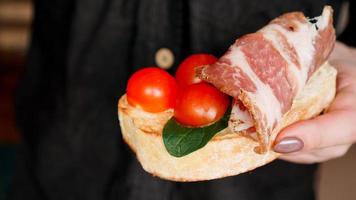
(265, 70)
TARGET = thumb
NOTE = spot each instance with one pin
(331, 129)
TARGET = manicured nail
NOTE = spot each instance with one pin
(288, 145)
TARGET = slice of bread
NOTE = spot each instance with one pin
(228, 153)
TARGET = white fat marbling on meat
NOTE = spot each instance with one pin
(270, 34)
(240, 119)
(302, 39)
(264, 97)
(323, 20)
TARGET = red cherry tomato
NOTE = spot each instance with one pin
(200, 104)
(152, 89)
(185, 74)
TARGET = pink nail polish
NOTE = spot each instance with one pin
(288, 145)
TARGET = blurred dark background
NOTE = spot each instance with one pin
(15, 22)
(337, 177)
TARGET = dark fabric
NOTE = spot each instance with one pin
(348, 35)
(81, 55)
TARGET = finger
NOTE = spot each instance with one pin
(316, 156)
(345, 70)
(331, 129)
(342, 52)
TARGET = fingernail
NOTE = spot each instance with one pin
(288, 145)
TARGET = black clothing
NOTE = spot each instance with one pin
(83, 52)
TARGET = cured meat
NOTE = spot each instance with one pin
(265, 70)
(240, 119)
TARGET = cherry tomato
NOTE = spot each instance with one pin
(152, 89)
(185, 74)
(200, 104)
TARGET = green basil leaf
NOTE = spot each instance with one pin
(180, 140)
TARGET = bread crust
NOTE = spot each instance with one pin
(228, 153)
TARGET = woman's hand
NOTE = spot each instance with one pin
(329, 135)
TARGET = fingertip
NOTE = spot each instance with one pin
(288, 145)
(303, 131)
